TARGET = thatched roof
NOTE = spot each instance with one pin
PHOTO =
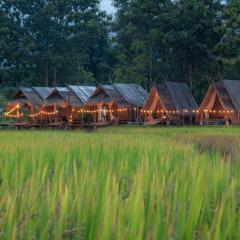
(75, 96)
(59, 96)
(83, 93)
(43, 92)
(174, 96)
(105, 94)
(228, 92)
(165, 96)
(132, 93)
(233, 89)
(30, 95)
(119, 93)
(182, 96)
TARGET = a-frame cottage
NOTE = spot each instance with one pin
(57, 104)
(80, 95)
(116, 103)
(171, 102)
(221, 104)
(27, 103)
(68, 102)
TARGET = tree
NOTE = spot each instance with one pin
(141, 34)
(173, 40)
(229, 47)
(58, 41)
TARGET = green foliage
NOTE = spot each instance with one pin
(57, 42)
(187, 40)
(53, 42)
(119, 183)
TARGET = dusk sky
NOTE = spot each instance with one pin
(106, 5)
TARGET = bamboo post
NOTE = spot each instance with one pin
(68, 106)
(82, 115)
(183, 118)
(137, 114)
(118, 114)
(130, 114)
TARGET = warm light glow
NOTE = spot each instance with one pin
(8, 114)
(217, 111)
(172, 111)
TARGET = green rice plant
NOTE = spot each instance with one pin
(120, 183)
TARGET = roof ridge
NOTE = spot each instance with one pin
(139, 88)
(33, 88)
(120, 93)
(232, 97)
(71, 90)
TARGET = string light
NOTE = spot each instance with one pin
(48, 113)
(34, 115)
(170, 111)
(218, 111)
(8, 114)
(101, 110)
(19, 115)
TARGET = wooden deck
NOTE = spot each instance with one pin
(57, 125)
(216, 122)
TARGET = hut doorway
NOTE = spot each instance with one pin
(103, 113)
(216, 112)
(113, 113)
(156, 111)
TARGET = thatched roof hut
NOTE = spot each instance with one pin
(221, 103)
(32, 96)
(117, 102)
(66, 101)
(170, 102)
(81, 95)
(123, 95)
(27, 99)
(73, 96)
(43, 92)
(58, 97)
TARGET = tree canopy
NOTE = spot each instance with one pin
(53, 42)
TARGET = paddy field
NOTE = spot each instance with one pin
(120, 183)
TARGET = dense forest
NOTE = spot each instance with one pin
(56, 42)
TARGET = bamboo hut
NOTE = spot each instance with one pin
(56, 105)
(67, 103)
(116, 103)
(79, 96)
(27, 103)
(221, 104)
(171, 102)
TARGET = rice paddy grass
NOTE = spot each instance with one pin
(120, 183)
